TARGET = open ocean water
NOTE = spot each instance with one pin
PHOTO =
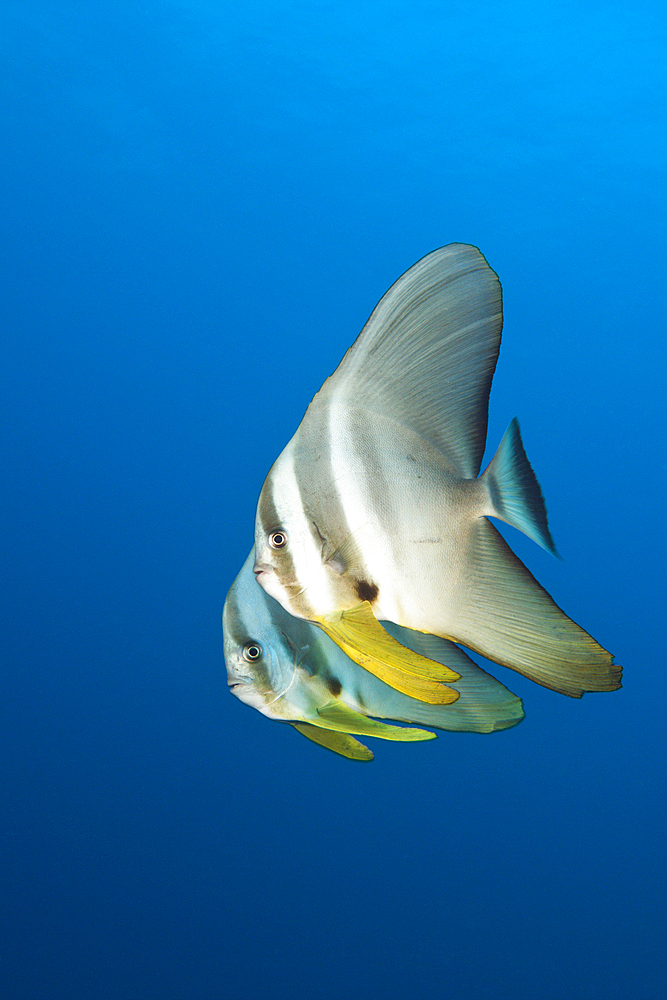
(201, 204)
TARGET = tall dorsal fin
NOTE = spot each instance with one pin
(427, 354)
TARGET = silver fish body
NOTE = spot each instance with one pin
(377, 497)
(290, 671)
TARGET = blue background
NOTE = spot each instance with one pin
(201, 204)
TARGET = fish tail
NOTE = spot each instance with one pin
(514, 491)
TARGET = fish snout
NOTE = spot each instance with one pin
(261, 567)
(235, 682)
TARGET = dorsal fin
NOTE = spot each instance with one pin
(427, 354)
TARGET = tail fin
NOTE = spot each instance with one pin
(515, 492)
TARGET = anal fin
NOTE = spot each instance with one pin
(507, 616)
(340, 717)
(341, 743)
(360, 635)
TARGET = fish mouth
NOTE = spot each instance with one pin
(260, 568)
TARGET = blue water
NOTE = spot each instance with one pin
(201, 204)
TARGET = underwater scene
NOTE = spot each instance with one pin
(332, 407)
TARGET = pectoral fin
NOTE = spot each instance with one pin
(341, 743)
(360, 635)
(348, 553)
(341, 718)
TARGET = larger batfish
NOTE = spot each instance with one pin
(375, 509)
(290, 671)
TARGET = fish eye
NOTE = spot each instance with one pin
(278, 539)
(252, 651)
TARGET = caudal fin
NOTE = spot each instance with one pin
(514, 490)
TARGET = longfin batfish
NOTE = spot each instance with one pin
(378, 498)
(290, 671)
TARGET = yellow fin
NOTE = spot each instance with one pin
(339, 716)
(341, 743)
(360, 635)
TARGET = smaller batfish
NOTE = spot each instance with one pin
(290, 671)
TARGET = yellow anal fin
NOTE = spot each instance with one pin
(360, 635)
(341, 743)
(340, 717)
(359, 625)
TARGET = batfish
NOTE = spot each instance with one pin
(376, 509)
(289, 670)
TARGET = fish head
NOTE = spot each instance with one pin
(290, 551)
(263, 653)
(251, 667)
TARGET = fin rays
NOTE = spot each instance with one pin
(340, 743)
(360, 635)
(427, 354)
(512, 620)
